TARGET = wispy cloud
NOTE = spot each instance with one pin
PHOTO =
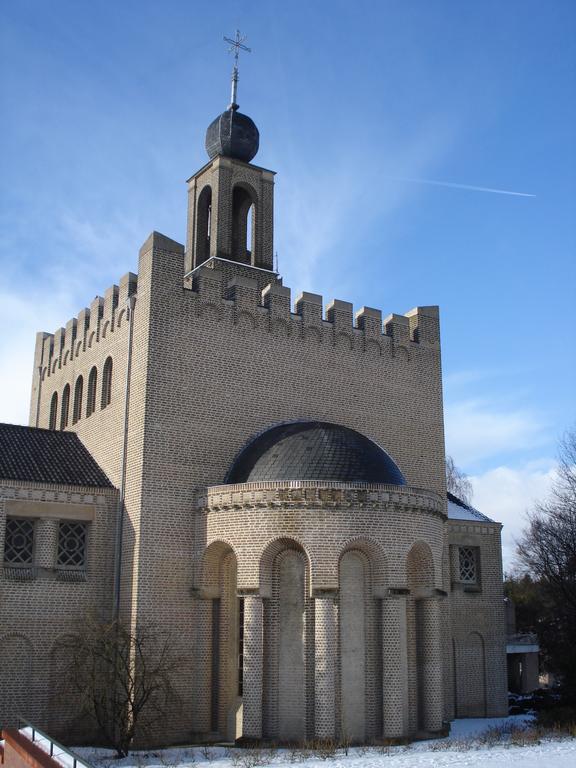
(93, 255)
(320, 210)
(454, 185)
(477, 429)
(22, 317)
(506, 495)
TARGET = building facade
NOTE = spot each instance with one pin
(277, 473)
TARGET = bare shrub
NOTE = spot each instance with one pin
(207, 753)
(253, 757)
(325, 749)
(296, 755)
(122, 678)
(171, 758)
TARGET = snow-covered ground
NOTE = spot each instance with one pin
(463, 748)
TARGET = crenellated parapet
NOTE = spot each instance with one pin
(243, 302)
(104, 317)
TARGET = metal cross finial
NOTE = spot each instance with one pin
(236, 46)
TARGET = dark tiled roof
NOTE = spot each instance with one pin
(313, 450)
(47, 456)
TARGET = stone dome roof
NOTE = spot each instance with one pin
(232, 134)
(313, 450)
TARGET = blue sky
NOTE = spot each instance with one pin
(105, 105)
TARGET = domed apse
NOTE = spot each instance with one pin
(313, 450)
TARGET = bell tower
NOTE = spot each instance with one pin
(230, 200)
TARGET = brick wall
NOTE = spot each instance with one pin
(39, 611)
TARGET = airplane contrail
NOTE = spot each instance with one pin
(463, 186)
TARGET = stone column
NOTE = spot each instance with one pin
(46, 535)
(454, 564)
(431, 661)
(325, 634)
(253, 673)
(394, 667)
(202, 665)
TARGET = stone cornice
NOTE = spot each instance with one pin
(311, 494)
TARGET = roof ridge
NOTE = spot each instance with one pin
(36, 429)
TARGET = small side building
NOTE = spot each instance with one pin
(477, 611)
(57, 513)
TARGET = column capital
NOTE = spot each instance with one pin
(396, 592)
(205, 593)
(429, 594)
(249, 592)
(325, 594)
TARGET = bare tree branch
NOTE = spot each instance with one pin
(547, 551)
(122, 678)
(457, 481)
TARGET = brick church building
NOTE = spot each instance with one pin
(265, 479)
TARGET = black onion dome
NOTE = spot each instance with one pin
(313, 450)
(232, 134)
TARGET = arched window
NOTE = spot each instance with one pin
(243, 225)
(77, 409)
(53, 411)
(91, 398)
(106, 383)
(203, 223)
(65, 407)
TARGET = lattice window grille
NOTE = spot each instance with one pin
(72, 545)
(468, 565)
(19, 542)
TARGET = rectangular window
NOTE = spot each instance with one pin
(19, 542)
(71, 545)
(468, 565)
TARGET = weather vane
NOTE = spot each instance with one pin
(235, 46)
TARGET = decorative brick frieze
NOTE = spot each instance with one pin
(302, 494)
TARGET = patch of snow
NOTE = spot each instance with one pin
(439, 753)
(473, 726)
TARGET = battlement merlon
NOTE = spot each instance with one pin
(420, 325)
(209, 282)
(425, 324)
(52, 350)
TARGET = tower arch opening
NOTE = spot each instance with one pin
(203, 225)
(244, 217)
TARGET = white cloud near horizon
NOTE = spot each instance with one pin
(477, 430)
(506, 495)
(22, 317)
(94, 255)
